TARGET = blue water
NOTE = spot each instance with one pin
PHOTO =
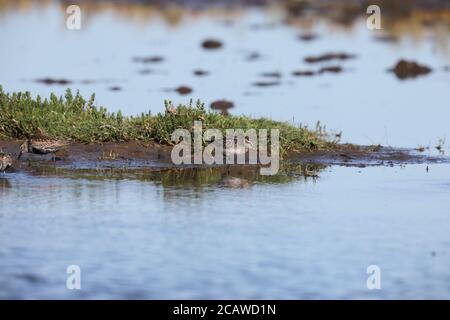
(138, 239)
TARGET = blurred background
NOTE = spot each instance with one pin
(135, 54)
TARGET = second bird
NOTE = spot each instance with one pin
(42, 146)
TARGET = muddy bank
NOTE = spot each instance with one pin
(363, 156)
(155, 157)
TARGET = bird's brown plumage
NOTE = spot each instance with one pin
(42, 145)
(5, 161)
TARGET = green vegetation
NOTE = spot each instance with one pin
(73, 117)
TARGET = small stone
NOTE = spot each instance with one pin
(211, 44)
(183, 90)
(409, 69)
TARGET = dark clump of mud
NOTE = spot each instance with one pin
(201, 73)
(274, 74)
(222, 105)
(310, 73)
(211, 44)
(266, 84)
(115, 88)
(183, 90)
(329, 57)
(308, 37)
(303, 73)
(331, 69)
(150, 59)
(51, 81)
(409, 69)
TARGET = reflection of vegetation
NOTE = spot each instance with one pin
(4, 184)
(400, 17)
(341, 11)
(72, 117)
(192, 177)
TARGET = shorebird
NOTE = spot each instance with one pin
(171, 109)
(5, 161)
(237, 148)
(42, 146)
(234, 182)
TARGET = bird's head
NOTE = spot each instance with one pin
(23, 148)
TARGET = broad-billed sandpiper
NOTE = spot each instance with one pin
(233, 182)
(42, 146)
(5, 161)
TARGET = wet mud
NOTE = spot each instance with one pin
(152, 156)
(211, 44)
(340, 56)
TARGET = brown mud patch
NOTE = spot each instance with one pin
(409, 69)
(212, 44)
(303, 73)
(331, 69)
(340, 56)
(201, 73)
(310, 73)
(149, 59)
(265, 84)
(52, 81)
(183, 90)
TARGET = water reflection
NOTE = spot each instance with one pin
(295, 240)
(196, 178)
(5, 185)
(401, 17)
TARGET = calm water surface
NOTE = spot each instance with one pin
(302, 239)
(138, 239)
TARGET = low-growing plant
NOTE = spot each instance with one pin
(72, 117)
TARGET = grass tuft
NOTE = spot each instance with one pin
(73, 117)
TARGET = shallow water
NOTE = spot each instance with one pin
(139, 239)
(309, 239)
